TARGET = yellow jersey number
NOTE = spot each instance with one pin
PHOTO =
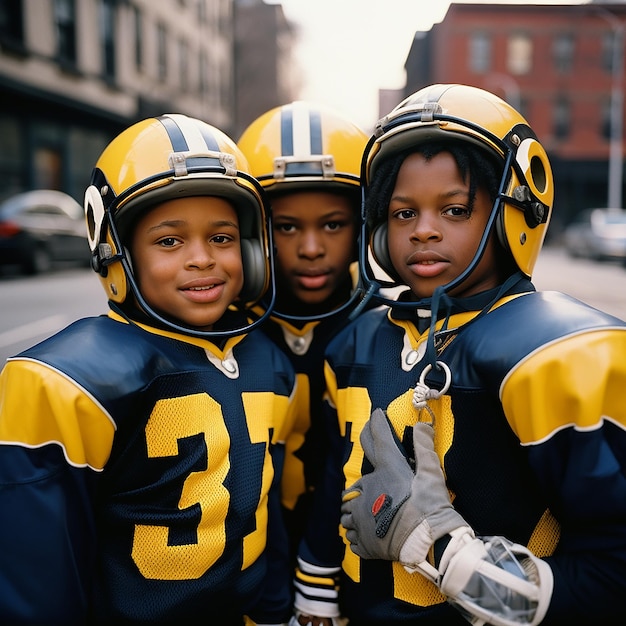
(200, 414)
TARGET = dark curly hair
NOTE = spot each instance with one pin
(484, 171)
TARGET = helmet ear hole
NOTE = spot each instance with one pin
(254, 270)
(538, 173)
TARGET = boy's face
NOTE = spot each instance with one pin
(186, 256)
(315, 237)
(433, 233)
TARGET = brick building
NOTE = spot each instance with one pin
(556, 63)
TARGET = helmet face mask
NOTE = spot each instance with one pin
(522, 210)
(161, 159)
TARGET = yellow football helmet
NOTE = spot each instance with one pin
(522, 211)
(164, 158)
(302, 144)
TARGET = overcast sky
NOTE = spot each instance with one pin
(349, 49)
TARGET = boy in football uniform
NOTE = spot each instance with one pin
(307, 158)
(497, 436)
(140, 451)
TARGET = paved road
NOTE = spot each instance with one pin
(34, 307)
(603, 285)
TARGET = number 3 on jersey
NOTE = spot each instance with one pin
(151, 552)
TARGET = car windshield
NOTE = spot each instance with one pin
(610, 223)
(39, 203)
(615, 219)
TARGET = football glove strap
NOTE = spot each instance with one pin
(396, 514)
(490, 580)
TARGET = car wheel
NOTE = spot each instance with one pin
(40, 262)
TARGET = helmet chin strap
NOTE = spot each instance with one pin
(134, 290)
(373, 286)
(370, 292)
(186, 330)
(354, 303)
(442, 298)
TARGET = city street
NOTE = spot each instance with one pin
(603, 285)
(35, 307)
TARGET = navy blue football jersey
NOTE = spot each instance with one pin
(305, 342)
(139, 476)
(531, 435)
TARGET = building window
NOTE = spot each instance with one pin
(608, 47)
(107, 37)
(480, 53)
(225, 93)
(203, 78)
(12, 25)
(183, 62)
(562, 118)
(605, 120)
(65, 18)
(12, 155)
(224, 9)
(201, 11)
(519, 59)
(138, 22)
(47, 167)
(563, 53)
(162, 51)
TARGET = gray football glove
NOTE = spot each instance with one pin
(395, 514)
(384, 507)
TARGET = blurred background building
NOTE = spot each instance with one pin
(74, 73)
(264, 75)
(562, 66)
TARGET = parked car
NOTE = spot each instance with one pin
(598, 234)
(41, 228)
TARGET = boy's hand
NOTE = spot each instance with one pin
(384, 507)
